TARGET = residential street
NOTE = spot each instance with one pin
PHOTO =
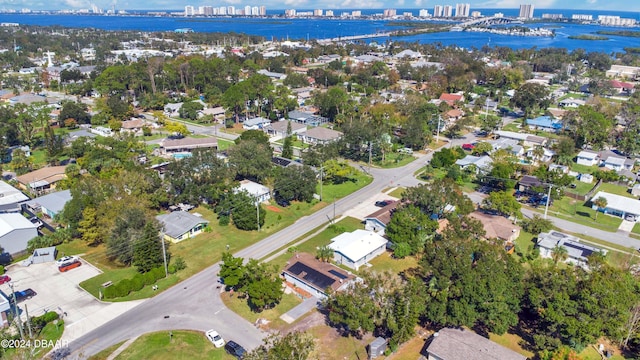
(195, 303)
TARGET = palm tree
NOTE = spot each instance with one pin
(324, 253)
(600, 203)
(559, 253)
(538, 153)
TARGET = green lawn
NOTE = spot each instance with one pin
(393, 160)
(581, 188)
(240, 306)
(583, 169)
(514, 126)
(615, 189)
(636, 229)
(386, 262)
(224, 144)
(187, 345)
(576, 211)
(206, 249)
(104, 354)
(38, 158)
(524, 243)
(51, 332)
(397, 193)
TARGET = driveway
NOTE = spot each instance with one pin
(61, 292)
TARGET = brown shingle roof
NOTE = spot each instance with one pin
(496, 227)
(321, 133)
(50, 174)
(189, 143)
(384, 214)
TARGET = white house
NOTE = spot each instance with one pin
(379, 220)
(577, 252)
(10, 198)
(356, 248)
(15, 232)
(588, 158)
(255, 123)
(481, 163)
(257, 191)
(617, 205)
(613, 161)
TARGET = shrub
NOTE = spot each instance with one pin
(179, 263)
(171, 269)
(158, 273)
(224, 220)
(149, 279)
(1, 270)
(50, 316)
(109, 292)
(137, 282)
(123, 288)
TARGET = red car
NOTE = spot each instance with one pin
(4, 279)
(468, 147)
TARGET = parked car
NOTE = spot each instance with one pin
(24, 295)
(4, 279)
(468, 147)
(69, 265)
(382, 203)
(215, 338)
(65, 259)
(234, 349)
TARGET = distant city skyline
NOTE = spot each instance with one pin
(584, 5)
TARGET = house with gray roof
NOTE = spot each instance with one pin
(279, 128)
(613, 161)
(10, 198)
(51, 204)
(181, 225)
(256, 123)
(577, 252)
(481, 163)
(458, 344)
(306, 118)
(618, 205)
(319, 135)
(15, 233)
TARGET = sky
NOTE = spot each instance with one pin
(595, 5)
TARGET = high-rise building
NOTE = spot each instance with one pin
(476, 14)
(247, 10)
(255, 11)
(222, 10)
(423, 13)
(447, 11)
(356, 13)
(207, 10)
(189, 10)
(290, 12)
(231, 10)
(437, 11)
(462, 10)
(526, 11)
(389, 12)
(329, 13)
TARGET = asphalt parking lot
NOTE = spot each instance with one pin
(57, 291)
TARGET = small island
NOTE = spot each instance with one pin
(627, 33)
(588, 37)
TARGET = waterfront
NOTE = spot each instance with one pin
(317, 28)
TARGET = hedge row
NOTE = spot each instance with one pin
(39, 322)
(126, 286)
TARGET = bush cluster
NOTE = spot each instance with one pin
(39, 322)
(126, 286)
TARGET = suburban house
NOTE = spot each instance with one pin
(306, 272)
(547, 155)
(451, 99)
(10, 198)
(284, 162)
(135, 125)
(613, 161)
(462, 344)
(635, 190)
(356, 248)
(545, 123)
(618, 205)
(218, 113)
(306, 118)
(571, 103)
(630, 72)
(50, 204)
(279, 128)
(510, 145)
(563, 169)
(588, 158)
(173, 109)
(169, 146)
(527, 182)
(408, 54)
(257, 191)
(319, 135)
(622, 87)
(454, 115)
(577, 252)
(15, 233)
(42, 180)
(256, 123)
(481, 163)
(527, 139)
(272, 75)
(181, 225)
(498, 227)
(378, 221)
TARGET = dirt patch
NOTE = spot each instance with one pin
(314, 319)
(274, 208)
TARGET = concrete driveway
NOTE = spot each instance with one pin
(61, 292)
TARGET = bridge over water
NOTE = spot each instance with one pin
(490, 20)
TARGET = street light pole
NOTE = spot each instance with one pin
(164, 253)
(15, 309)
(546, 208)
(438, 130)
(321, 170)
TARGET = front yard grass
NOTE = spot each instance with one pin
(615, 189)
(576, 211)
(224, 144)
(394, 160)
(180, 344)
(386, 262)
(511, 341)
(583, 169)
(636, 229)
(397, 193)
(582, 188)
(206, 249)
(240, 306)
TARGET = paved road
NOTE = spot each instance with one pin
(195, 303)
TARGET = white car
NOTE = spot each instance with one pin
(215, 338)
(65, 259)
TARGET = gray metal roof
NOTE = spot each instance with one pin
(456, 344)
(54, 201)
(179, 222)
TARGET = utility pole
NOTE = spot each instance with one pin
(321, 170)
(438, 130)
(370, 147)
(258, 211)
(164, 253)
(546, 208)
(15, 309)
(28, 321)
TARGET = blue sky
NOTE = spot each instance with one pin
(595, 5)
